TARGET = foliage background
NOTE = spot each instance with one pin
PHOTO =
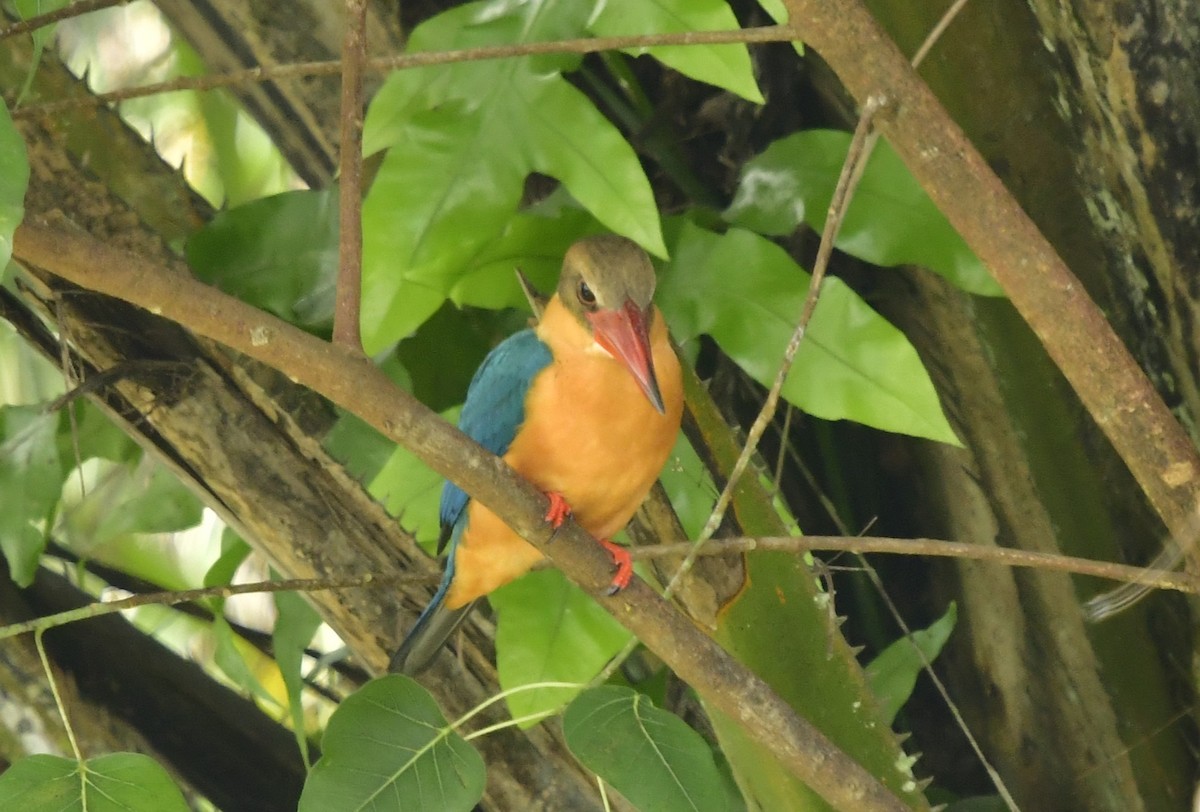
(1107, 707)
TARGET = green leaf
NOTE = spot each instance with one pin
(461, 142)
(14, 178)
(229, 658)
(360, 449)
(125, 500)
(118, 782)
(27, 9)
(95, 436)
(650, 756)
(726, 66)
(412, 491)
(534, 241)
(233, 552)
(777, 11)
(893, 673)
(747, 293)
(549, 630)
(689, 484)
(279, 253)
(295, 625)
(890, 220)
(31, 477)
(441, 358)
(388, 747)
(568, 138)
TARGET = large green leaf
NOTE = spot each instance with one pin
(279, 253)
(462, 139)
(118, 782)
(893, 673)
(14, 177)
(151, 500)
(655, 760)
(388, 747)
(726, 66)
(890, 220)
(548, 630)
(534, 241)
(412, 491)
(31, 478)
(747, 293)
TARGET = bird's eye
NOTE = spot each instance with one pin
(586, 297)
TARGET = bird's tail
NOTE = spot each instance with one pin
(432, 629)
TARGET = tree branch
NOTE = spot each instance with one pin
(49, 18)
(350, 246)
(420, 59)
(1008, 556)
(1114, 390)
(351, 381)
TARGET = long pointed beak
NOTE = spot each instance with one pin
(625, 333)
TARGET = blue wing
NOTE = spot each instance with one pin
(491, 416)
(495, 406)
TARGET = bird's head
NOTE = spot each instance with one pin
(607, 283)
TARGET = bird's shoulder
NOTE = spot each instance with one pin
(495, 406)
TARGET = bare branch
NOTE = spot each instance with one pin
(349, 278)
(99, 608)
(51, 17)
(1155, 578)
(421, 59)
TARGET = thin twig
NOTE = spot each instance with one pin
(420, 59)
(837, 206)
(936, 32)
(51, 17)
(58, 700)
(1008, 556)
(350, 244)
(927, 666)
(188, 595)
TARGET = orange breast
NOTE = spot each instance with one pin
(589, 434)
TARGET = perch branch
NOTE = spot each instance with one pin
(351, 381)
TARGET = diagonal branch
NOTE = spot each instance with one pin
(352, 382)
(1114, 390)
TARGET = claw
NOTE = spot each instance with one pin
(558, 512)
(624, 564)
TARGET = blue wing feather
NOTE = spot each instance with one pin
(495, 406)
(492, 415)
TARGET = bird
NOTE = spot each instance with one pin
(586, 405)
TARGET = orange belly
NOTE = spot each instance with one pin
(589, 434)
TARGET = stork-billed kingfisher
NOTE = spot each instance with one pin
(585, 406)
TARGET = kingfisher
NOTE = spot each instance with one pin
(586, 406)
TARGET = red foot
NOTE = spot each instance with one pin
(624, 562)
(559, 510)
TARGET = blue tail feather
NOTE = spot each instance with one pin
(433, 627)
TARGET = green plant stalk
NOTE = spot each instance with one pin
(782, 627)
